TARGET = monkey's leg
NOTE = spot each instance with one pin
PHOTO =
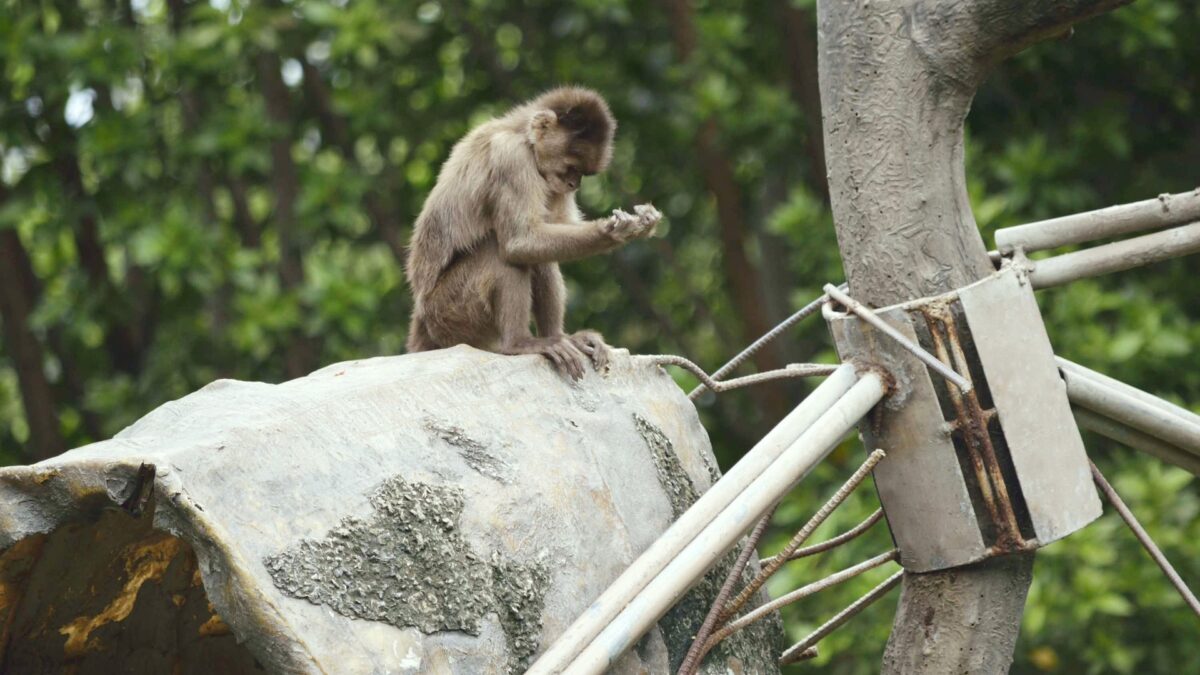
(513, 297)
(549, 306)
(549, 299)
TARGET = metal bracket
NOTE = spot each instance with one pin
(996, 468)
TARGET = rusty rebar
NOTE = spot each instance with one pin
(799, 594)
(805, 532)
(972, 424)
(1144, 537)
(761, 342)
(696, 653)
(833, 542)
(799, 651)
(864, 313)
(792, 370)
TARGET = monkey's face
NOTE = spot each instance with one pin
(558, 162)
(568, 146)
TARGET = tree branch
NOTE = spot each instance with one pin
(300, 353)
(16, 304)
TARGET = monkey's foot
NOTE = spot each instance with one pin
(591, 343)
(560, 350)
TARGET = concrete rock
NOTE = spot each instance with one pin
(444, 512)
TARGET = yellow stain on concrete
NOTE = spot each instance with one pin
(144, 561)
(214, 626)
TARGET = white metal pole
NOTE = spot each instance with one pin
(1144, 396)
(593, 620)
(723, 532)
(1143, 416)
(1149, 214)
(1106, 426)
(1116, 257)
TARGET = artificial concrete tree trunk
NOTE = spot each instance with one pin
(897, 78)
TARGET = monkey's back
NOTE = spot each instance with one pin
(458, 213)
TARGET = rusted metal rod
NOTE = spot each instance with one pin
(1116, 257)
(1110, 428)
(834, 579)
(1149, 214)
(833, 542)
(792, 370)
(1146, 541)
(691, 662)
(805, 532)
(864, 313)
(761, 342)
(797, 651)
(972, 426)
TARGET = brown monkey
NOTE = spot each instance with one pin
(484, 253)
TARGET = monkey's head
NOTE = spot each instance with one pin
(571, 132)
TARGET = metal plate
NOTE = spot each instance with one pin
(920, 484)
(1031, 400)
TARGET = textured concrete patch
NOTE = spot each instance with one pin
(474, 453)
(408, 565)
(671, 476)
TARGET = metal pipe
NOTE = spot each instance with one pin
(652, 561)
(1146, 541)
(864, 313)
(723, 532)
(799, 594)
(1144, 396)
(800, 650)
(1116, 257)
(1149, 214)
(1150, 419)
(1137, 440)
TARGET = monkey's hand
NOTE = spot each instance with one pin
(648, 217)
(623, 227)
(591, 343)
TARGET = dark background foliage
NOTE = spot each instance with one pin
(195, 190)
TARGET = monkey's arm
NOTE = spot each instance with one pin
(538, 243)
(534, 243)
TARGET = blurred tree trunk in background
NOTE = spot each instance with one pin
(18, 290)
(745, 284)
(300, 357)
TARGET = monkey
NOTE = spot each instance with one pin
(483, 258)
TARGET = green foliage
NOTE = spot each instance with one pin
(137, 166)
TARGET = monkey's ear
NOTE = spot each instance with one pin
(541, 122)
